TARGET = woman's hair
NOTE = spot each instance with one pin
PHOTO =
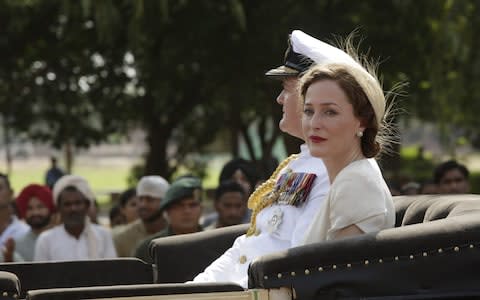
(126, 195)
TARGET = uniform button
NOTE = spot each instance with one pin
(242, 259)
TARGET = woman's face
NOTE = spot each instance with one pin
(329, 124)
(130, 210)
(289, 99)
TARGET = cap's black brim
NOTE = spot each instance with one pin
(282, 71)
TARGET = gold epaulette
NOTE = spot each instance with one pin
(260, 199)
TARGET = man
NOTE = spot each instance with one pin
(451, 178)
(53, 174)
(183, 208)
(230, 204)
(150, 192)
(10, 226)
(76, 238)
(35, 205)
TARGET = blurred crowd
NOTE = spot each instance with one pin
(449, 177)
(58, 220)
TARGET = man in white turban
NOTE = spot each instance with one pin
(150, 192)
(76, 238)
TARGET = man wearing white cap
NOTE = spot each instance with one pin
(76, 238)
(150, 192)
(284, 206)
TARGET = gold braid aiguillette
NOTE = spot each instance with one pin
(264, 196)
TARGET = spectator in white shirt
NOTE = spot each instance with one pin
(10, 226)
(77, 238)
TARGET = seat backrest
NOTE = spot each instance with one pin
(61, 274)
(440, 256)
(401, 204)
(130, 291)
(453, 206)
(9, 286)
(179, 258)
(434, 251)
(425, 208)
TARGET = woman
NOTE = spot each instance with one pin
(343, 119)
(128, 205)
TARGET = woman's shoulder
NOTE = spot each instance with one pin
(360, 169)
(361, 174)
(362, 187)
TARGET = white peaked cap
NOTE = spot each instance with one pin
(153, 186)
(318, 51)
(304, 50)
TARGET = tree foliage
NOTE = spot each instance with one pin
(76, 71)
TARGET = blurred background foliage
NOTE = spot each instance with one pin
(74, 73)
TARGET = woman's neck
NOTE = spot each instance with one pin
(335, 164)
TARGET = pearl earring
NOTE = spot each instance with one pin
(359, 134)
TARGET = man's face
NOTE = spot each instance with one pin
(453, 182)
(6, 192)
(73, 208)
(184, 215)
(5, 198)
(148, 208)
(289, 99)
(37, 214)
(231, 208)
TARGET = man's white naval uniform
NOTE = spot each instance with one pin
(280, 226)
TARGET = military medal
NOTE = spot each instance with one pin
(293, 188)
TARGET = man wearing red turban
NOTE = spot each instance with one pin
(35, 205)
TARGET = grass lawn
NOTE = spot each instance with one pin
(104, 180)
(105, 176)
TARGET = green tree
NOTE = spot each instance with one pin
(63, 84)
(189, 72)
